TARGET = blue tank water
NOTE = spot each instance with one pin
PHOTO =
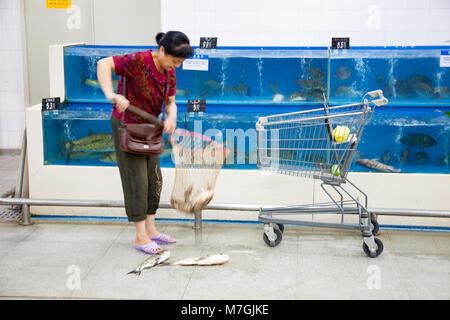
(411, 133)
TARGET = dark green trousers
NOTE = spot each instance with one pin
(141, 179)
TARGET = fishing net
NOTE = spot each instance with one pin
(198, 160)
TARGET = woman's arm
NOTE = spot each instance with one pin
(171, 109)
(105, 67)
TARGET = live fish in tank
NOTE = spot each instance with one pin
(95, 84)
(424, 90)
(375, 164)
(418, 86)
(93, 142)
(310, 84)
(315, 73)
(444, 159)
(274, 87)
(240, 89)
(404, 156)
(344, 73)
(421, 158)
(380, 79)
(109, 157)
(80, 155)
(386, 158)
(315, 95)
(418, 140)
(210, 86)
(297, 96)
(183, 93)
(346, 92)
(312, 89)
(443, 92)
(277, 98)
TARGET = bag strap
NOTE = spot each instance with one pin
(125, 95)
(166, 92)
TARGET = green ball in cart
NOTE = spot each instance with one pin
(335, 170)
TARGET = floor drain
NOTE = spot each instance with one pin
(8, 214)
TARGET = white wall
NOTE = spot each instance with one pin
(27, 28)
(12, 97)
(310, 22)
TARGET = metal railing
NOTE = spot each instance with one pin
(25, 203)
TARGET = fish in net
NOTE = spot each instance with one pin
(198, 160)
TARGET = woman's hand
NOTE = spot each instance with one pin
(170, 124)
(120, 101)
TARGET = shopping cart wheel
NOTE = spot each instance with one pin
(377, 252)
(374, 226)
(272, 235)
(281, 227)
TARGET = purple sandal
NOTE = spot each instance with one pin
(163, 239)
(150, 248)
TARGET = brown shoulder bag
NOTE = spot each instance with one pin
(142, 138)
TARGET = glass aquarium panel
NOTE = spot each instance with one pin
(80, 70)
(396, 140)
(410, 134)
(261, 76)
(408, 140)
(407, 76)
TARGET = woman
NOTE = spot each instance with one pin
(146, 73)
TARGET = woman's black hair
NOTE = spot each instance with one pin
(175, 43)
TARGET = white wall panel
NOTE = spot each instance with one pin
(311, 22)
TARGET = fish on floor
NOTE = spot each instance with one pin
(151, 261)
(209, 260)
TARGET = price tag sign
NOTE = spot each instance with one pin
(445, 58)
(198, 62)
(50, 104)
(340, 43)
(58, 4)
(208, 43)
(198, 105)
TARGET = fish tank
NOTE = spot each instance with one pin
(407, 76)
(409, 135)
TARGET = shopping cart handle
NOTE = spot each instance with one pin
(380, 102)
(376, 93)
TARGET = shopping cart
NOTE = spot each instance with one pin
(319, 144)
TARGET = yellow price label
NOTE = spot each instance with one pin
(58, 4)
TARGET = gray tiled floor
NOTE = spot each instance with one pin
(9, 166)
(319, 264)
(36, 262)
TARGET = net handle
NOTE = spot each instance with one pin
(144, 114)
